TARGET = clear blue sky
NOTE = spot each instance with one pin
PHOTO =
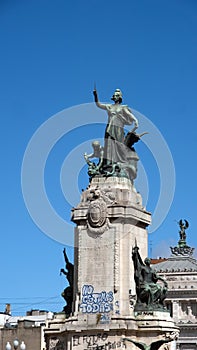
(51, 54)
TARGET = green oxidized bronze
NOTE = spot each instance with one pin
(154, 345)
(182, 249)
(118, 156)
(150, 294)
(182, 233)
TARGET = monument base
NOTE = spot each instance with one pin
(93, 334)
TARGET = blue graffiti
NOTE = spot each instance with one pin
(104, 319)
(96, 302)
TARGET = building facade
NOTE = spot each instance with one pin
(180, 271)
(28, 328)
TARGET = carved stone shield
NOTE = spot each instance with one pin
(97, 216)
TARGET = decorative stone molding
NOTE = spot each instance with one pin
(182, 251)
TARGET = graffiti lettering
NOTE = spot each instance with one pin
(96, 302)
(99, 341)
(104, 319)
(93, 339)
(76, 340)
(106, 346)
(145, 313)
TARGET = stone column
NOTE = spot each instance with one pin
(175, 310)
(110, 218)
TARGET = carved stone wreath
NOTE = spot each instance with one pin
(97, 220)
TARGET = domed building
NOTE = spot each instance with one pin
(180, 271)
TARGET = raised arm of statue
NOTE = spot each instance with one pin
(65, 256)
(96, 100)
(136, 257)
(138, 265)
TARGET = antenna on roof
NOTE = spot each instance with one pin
(151, 249)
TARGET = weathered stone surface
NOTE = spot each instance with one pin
(109, 219)
(82, 335)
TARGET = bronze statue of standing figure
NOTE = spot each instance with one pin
(117, 157)
(118, 116)
(183, 226)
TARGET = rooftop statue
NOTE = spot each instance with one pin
(150, 294)
(182, 233)
(118, 156)
(182, 249)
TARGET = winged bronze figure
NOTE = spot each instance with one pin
(153, 346)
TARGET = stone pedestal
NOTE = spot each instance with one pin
(110, 219)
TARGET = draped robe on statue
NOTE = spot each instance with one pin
(114, 148)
